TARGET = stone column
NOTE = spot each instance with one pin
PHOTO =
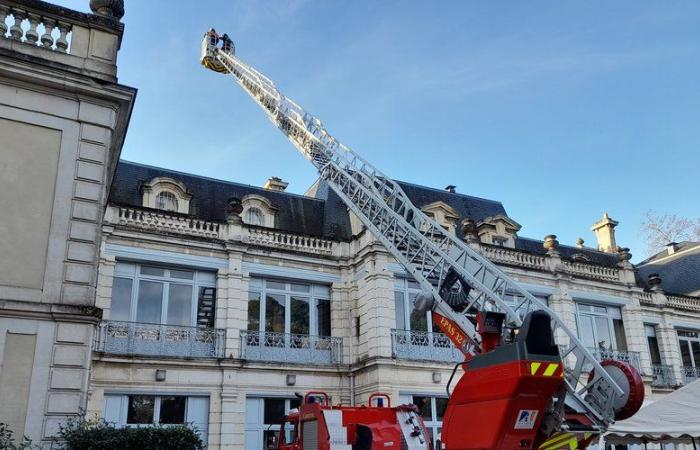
(634, 334)
(375, 307)
(668, 347)
(563, 305)
(232, 303)
(232, 414)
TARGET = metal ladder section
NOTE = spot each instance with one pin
(421, 245)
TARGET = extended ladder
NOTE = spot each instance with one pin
(426, 250)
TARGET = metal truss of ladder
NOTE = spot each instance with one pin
(420, 244)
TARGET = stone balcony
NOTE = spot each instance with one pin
(424, 346)
(147, 339)
(57, 36)
(291, 348)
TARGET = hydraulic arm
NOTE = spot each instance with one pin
(444, 265)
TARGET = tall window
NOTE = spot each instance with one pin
(254, 216)
(600, 327)
(689, 342)
(289, 307)
(263, 420)
(432, 410)
(652, 341)
(407, 317)
(162, 295)
(166, 201)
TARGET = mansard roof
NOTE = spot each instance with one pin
(679, 271)
(295, 213)
(320, 212)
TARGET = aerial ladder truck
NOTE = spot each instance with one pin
(527, 381)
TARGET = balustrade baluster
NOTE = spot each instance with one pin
(32, 36)
(4, 12)
(47, 38)
(62, 42)
(16, 31)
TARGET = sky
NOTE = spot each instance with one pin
(560, 110)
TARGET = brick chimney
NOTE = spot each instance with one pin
(275, 184)
(604, 230)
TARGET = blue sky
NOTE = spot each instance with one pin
(560, 110)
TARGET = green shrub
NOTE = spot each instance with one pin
(7, 439)
(81, 434)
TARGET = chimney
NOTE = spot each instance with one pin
(451, 188)
(672, 247)
(604, 231)
(275, 184)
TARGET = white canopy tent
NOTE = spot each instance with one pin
(675, 418)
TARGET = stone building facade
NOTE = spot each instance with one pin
(63, 117)
(222, 300)
(144, 295)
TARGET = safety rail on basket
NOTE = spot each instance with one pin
(312, 396)
(380, 396)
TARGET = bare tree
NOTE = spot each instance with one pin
(662, 229)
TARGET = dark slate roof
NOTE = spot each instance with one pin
(467, 206)
(295, 213)
(320, 212)
(680, 272)
(592, 256)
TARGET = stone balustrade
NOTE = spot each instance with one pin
(646, 298)
(591, 271)
(289, 241)
(681, 302)
(34, 27)
(514, 258)
(81, 42)
(163, 222)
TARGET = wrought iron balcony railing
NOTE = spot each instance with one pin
(690, 374)
(291, 348)
(618, 355)
(424, 346)
(148, 339)
(663, 375)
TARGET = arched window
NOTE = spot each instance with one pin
(254, 217)
(166, 201)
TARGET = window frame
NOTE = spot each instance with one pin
(434, 425)
(170, 195)
(133, 272)
(650, 333)
(312, 295)
(689, 340)
(405, 288)
(616, 315)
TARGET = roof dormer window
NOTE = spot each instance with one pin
(166, 201)
(258, 211)
(166, 194)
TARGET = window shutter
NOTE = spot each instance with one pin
(206, 307)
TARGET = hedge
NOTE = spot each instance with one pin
(99, 435)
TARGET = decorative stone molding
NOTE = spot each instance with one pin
(443, 214)
(469, 231)
(108, 8)
(258, 211)
(498, 230)
(551, 244)
(165, 223)
(288, 241)
(161, 186)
